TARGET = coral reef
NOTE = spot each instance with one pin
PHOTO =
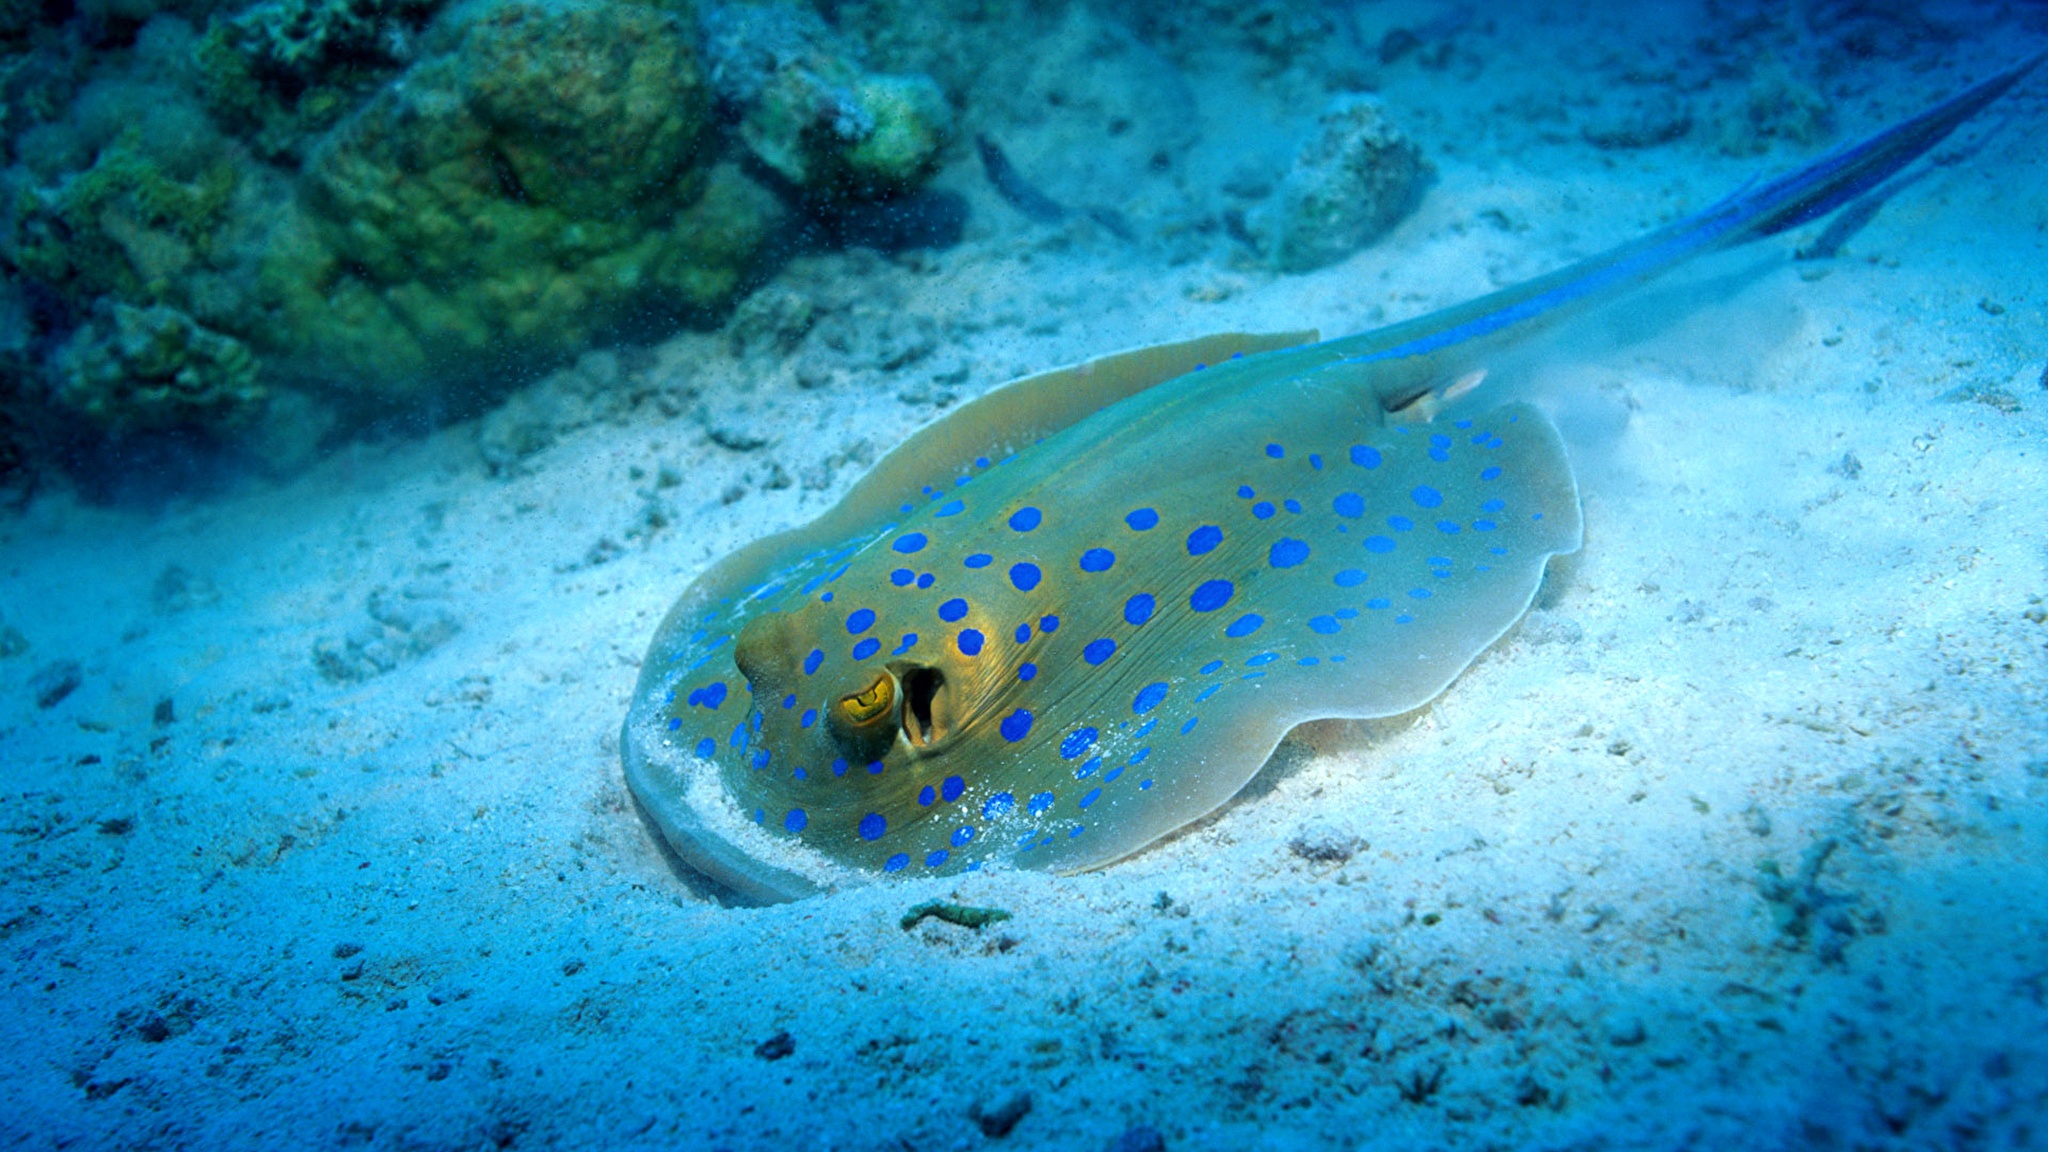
(323, 210)
(1354, 179)
(279, 71)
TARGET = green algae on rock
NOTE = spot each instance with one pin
(130, 369)
(809, 112)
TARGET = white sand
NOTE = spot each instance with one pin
(421, 911)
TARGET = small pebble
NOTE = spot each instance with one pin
(776, 1047)
(1141, 1138)
(997, 1121)
(53, 682)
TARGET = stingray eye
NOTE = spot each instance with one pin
(863, 724)
(870, 702)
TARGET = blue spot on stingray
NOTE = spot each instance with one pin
(1262, 658)
(926, 580)
(1439, 440)
(997, 805)
(706, 748)
(1315, 461)
(1244, 492)
(902, 577)
(1291, 505)
(809, 718)
(1025, 576)
(1142, 520)
(1447, 528)
(1379, 602)
(1190, 725)
(875, 767)
(710, 696)
(1097, 560)
(1148, 698)
(1349, 505)
(872, 826)
(1077, 742)
(979, 560)
(1400, 523)
(1484, 525)
(1027, 671)
(1048, 624)
(1427, 497)
(1419, 593)
(1275, 451)
(1379, 544)
(866, 648)
(1025, 519)
(951, 787)
(1015, 726)
(1210, 668)
(961, 836)
(796, 820)
(936, 858)
(909, 641)
(1023, 633)
(896, 863)
(1211, 595)
(1493, 505)
(1213, 689)
(1349, 578)
(1098, 650)
(1287, 552)
(1263, 510)
(927, 796)
(838, 767)
(1138, 609)
(1204, 539)
(1490, 473)
(952, 610)
(1093, 795)
(1323, 625)
(1039, 804)
(1138, 757)
(913, 542)
(674, 722)
(1365, 456)
(951, 508)
(1088, 769)
(1239, 628)
(970, 642)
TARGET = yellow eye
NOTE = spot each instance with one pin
(875, 700)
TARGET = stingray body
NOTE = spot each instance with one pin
(1079, 612)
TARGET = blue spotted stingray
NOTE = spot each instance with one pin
(1080, 612)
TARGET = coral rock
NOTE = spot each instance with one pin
(1357, 176)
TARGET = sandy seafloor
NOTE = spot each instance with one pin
(1738, 841)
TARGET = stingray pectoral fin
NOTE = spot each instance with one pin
(1431, 555)
(1025, 411)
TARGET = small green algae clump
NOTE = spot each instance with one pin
(965, 915)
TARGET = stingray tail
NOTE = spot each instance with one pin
(1757, 210)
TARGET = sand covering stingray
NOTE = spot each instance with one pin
(1080, 612)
